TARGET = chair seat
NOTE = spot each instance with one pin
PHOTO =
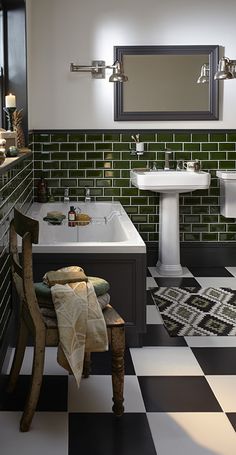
(44, 296)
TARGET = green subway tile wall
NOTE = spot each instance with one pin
(16, 187)
(101, 160)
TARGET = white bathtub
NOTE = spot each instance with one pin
(110, 230)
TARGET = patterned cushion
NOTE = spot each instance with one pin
(43, 291)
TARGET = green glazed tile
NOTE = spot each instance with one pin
(67, 147)
(148, 209)
(209, 165)
(210, 218)
(139, 218)
(231, 227)
(86, 182)
(130, 191)
(94, 137)
(74, 137)
(39, 164)
(59, 156)
(103, 164)
(120, 164)
(192, 147)
(147, 137)
(182, 155)
(155, 146)
(192, 200)
(218, 137)
(214, 209)
(86, 164)
(200, 228)
(68, 164)
(192, 219)
(104, 182)
(165, 137)
(153, 218)
(103, 146)
(227, 165)
(127, 136)
(68, 182)
(111, 174)
(174, 146)
(51, 164)
(112, 192)
(139, 200)
(121, 182)
(153, 237)
(217, 227)
(227, 237)
(50, 147)
(86, 147)
(230, 146)
(130, 209)
(94, 173)
(150, 156)
(126, 156)
(37, 147)
(200, 156)
(147, 227)
(77, 156)
(41, 137)
(76, 173)
(184, 209)
(185, 227)
(59, 137)
(182, 137)
(144, 235)
(199, 137)
(192, 237)
(209, 147)
(222, 219)
(217, 156)
(214, 191)
(231, 156)
(231, 137)
(209, 237)
(58, 174)
(111, 155)
(122, 200)
(111, 137)
(94, 155)
(104, 199)
(210, 200)
(121, 147)
(138, 164)
(96, 191)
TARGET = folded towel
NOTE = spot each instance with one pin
(65, 275)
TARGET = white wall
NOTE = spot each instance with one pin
(78, 31)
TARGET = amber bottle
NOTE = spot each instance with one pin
(72, 217)
(42, 193)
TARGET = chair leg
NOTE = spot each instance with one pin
(36, 382)
(87, 364)
(117, 344)
(18, 356)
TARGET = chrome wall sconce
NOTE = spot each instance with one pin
(204, 76)
(226, 69)
(98, 70)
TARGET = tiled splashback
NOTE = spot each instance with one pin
(101, 160)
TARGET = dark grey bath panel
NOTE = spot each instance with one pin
(126, 274)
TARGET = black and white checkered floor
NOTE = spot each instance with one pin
(179, 394)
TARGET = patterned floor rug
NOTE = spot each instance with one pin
(194, 311)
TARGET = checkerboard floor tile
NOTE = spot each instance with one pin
(179, 394)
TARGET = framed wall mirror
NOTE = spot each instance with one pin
(162, 83)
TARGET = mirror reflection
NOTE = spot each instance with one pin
(162, 83)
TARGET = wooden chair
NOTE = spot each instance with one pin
(45, 332)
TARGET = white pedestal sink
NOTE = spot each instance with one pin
(169, 184)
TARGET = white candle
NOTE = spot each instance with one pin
(10, 100)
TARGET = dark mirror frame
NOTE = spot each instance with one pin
(212, 114)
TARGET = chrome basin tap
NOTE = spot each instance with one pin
(87, 195)
(167, 159)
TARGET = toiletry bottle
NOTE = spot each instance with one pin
(42, 195)
(72, 217)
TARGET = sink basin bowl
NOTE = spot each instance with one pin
(170, 181)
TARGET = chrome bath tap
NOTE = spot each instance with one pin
(87, 195)
(66, 195)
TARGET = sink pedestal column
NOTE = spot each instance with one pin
(169, 249)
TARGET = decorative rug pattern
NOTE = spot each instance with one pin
(194, 311)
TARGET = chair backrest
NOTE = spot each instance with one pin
(22, 265)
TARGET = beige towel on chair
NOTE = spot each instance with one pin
(81, 323)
